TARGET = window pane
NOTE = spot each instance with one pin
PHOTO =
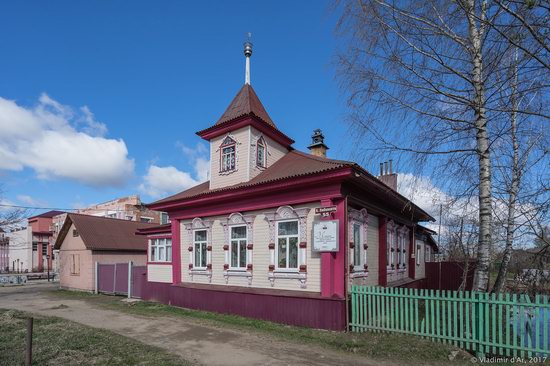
(357, 244)
(288, 228)
(282, 253)
(242, 259)
(197, 255)
(238, 232)
(169, 253)
(234, 253)
(203, 255)
(161, 254)
(153, 253)
(293, 253)
(200, 235)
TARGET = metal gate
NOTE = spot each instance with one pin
(117, 278)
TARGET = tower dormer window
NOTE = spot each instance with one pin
(261, 153)
(227, 162)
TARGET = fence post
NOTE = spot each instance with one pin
(28, 353)
(96, 273)
(480, 325)
(130, 279)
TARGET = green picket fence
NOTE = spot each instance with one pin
(509, 325)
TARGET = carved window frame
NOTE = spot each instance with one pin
(403, 242)
(228, 141)
(199, 224)
(284, 213)
(391, 244)
(361, 218)
(238, 219)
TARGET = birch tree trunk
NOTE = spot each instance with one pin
(481, 276)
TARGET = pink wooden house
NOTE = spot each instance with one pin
(243, 242)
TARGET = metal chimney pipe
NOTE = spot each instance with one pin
(385, 167)
(381, 169)
(391, 166)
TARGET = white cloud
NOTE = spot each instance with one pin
(162, 181)
(30, 201)
(57, 142)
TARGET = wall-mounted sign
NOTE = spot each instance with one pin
(325, 236)
(325, 211)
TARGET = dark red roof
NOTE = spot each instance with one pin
(293, 164)
(246, 102)
(160, 229)
(48, 214)
(103, 233)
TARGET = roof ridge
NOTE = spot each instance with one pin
(321, 159)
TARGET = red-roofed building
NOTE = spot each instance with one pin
(280, 234)
(84, 240)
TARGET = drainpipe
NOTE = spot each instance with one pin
(346, 261)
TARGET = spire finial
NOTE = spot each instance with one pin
(247, 54)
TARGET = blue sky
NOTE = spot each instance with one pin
(149, 75)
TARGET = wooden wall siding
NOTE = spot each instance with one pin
(260, 256)
(372, 255)
(159, 273)
(219, 179)
(313, 312)
(275, 151)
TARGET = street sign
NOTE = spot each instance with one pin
(325, 211)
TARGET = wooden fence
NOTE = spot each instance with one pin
(508, 325)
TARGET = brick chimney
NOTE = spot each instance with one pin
(387, 175)
(318, 147)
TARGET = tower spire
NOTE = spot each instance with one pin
(247, 54)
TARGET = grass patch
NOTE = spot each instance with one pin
(376, 345)
(62, 342)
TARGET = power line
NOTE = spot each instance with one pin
(68, 209)
(40, 208)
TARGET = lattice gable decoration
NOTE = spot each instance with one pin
(287, 213)
(360, 217)
(228, 140)
(199, 224)
(237, 219)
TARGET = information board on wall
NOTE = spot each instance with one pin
(325, 236)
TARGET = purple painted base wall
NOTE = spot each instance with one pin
(312, 312)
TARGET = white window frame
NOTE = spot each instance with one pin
(357, 250)
(205, 243)
(277, 236)
(263, 162)
(228, 164)
(158, 244)
(391, 243)
(238, 268)
(400, 247)
(428, 253)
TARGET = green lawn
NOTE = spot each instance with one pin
(391, 347)
(61, 342)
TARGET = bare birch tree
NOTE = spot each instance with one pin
(423, 81)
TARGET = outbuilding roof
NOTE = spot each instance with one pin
(103, 233)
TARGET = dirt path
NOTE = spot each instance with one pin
(192, 340)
